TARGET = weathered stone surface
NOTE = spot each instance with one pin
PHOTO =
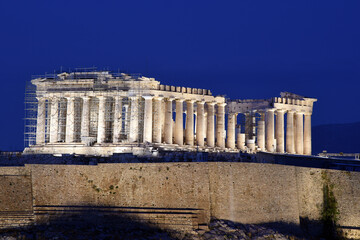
(104, 112)
(253, 193)
(16, 206)
(180, 196)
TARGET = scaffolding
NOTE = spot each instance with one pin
(62, 120)
(109, 119)
(30, 117)
(78, 106)
(94, 117)
(47, 120)
(128, 109)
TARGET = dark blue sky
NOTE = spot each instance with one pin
(244, 49)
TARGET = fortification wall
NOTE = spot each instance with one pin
(168, 194)
(16, 206)
(182, 195)
(347, 194)
(253, 193)
(345, 188)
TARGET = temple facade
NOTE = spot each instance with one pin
(101, 113)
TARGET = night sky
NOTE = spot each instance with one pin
(244, 49)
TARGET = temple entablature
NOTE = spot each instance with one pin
(111, 84)
(287, 102)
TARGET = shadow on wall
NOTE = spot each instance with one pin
(325, 229)
(108, 222)
(94, 222)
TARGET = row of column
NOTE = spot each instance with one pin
(298, 132)
(175, 132)
(152, 130)
(270, 137)
(70, 120)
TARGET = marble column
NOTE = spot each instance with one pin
(85, 118)
(231, 123)
(200, 123)
(261, 135)
(189, 124)
(101, 121)
(148, 114)
(279, 131)
(117, 119)
(70, 120)
(40, 123)
(253, 125)
(126, 121)
(269, 124)
(205, 123)
(220, 125)
(241, 141)
(248, 127)
(168, 134)
(54, 120)
(179, 127)
(307, 134)
(299, 126)
(290, 140)
(238, 131)
(134, 119)
(250, 143)
(62, 119)
(157, 133)
(162, 119)
(210, 135)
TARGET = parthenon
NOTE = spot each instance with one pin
(101, 113)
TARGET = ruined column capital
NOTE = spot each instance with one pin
(70, 98)
(179, 99)
(54, 99)
(101, 97)
(211, 103)
(200, 102)
(270, 109)
(191, 101)
(158, 98)
(170, 99)
(291, 111)
(41, 98)
(280, 110)
(87, 98)
(221, 104)
(148, 97)
(308, 113)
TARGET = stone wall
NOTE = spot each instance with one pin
(346, 190)
(16, 207)
(168, 194)
(181, 195)
(253, 193)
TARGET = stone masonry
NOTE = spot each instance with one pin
(119, 112)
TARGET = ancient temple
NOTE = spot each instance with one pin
(101, 113)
